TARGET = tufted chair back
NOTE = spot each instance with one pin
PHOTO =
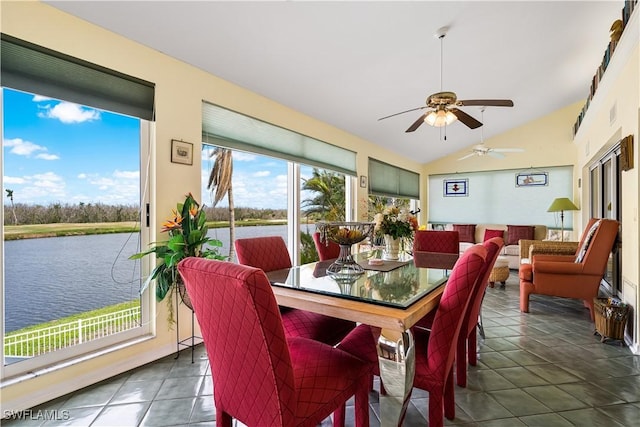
(268, 253)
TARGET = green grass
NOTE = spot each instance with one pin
(44, 346)
(17, 232)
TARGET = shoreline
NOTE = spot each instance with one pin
(35, 231)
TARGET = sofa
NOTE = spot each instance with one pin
(471, 234)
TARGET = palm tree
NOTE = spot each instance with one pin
(13, 208)
(328, 201)
(220, 183)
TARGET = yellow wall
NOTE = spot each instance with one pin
(620, 91)
(180, 90)
(547, 142)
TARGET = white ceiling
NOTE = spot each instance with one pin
(350, 63)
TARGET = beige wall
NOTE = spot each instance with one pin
(601, 130)
(547, 142)
(179, 92)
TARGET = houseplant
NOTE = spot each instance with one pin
(396, 225)
(187, 230)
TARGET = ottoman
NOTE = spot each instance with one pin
(500, 272)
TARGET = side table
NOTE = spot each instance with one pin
(500, 272)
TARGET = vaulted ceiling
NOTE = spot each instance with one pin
(350, 63)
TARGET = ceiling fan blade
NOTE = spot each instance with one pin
(508, 150)
(494, 154)
(486, 102)
(402, 112)
(467, 156)
(417, 123)
(465, 118)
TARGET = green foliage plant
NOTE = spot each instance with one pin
(187, 230)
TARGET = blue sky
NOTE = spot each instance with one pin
(60, 152)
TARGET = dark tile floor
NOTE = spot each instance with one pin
(545, 368)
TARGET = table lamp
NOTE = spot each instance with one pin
(562, 204)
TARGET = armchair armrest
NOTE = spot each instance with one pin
(556, 267)
(529, 248)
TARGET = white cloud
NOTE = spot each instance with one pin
(243, 157)
(13, 180)
(41, 98)
(45, 156)
(20, 147)
(68, 113)
(82, 176)
(126, 174)
(260, 174)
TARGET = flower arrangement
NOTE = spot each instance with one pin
(187, 230)
(396, 222)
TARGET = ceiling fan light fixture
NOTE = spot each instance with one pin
(440, 117)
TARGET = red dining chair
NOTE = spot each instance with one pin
(270, 253)
(326, 250)
(261, 377)
(436, 248)
(468, 339)
(435, 350)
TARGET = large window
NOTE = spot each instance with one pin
(272, 196)
(605, 184)
(70, 173)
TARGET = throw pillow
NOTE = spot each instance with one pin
(517, 232)
(489, 234)
(467, 232)
(587, 240)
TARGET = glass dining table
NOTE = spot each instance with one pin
(391, 296)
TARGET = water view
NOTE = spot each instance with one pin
(50, 278)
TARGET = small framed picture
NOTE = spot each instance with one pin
(181, 152)
(532, 179)
(456, 187)
(363, 181)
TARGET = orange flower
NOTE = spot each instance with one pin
(193, 211)
(172, 224)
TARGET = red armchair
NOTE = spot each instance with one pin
(260, 377)
(269, 254)
(571, 276)
(436, 248)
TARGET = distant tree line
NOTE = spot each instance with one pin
(55, 213)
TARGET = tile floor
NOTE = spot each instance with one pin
(545, 368)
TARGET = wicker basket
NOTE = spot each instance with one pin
(610, 318)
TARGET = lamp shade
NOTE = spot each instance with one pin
(440, 117)
(562, 204)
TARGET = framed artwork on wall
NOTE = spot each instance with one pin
(456, 187)
(181, 152)
(532, 179)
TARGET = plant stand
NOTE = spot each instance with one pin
(191, 341)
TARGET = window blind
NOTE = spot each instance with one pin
(36, 69)
(392, 181)
(226, 128)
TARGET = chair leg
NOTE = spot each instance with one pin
(362, 405)
(223, 419)
(449, 398)
(461, 362)
(472, 347)
(436, 418)
(339, 416)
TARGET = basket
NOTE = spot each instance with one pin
(610, 318)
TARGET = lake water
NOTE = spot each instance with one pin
(49, 278)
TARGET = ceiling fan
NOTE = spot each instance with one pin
(444, 105)
(483, 150)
